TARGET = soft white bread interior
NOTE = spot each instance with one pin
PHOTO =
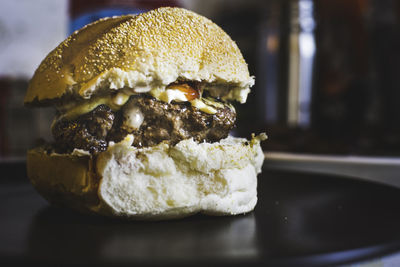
(159, 182)
(141, 52)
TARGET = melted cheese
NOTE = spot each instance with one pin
(202, 106)
(168, 95)
(116, 102)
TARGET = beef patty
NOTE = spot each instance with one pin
(170, 122)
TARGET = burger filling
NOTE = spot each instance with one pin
(172, 115)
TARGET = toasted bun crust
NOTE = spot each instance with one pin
(143, 51)
(155, 183)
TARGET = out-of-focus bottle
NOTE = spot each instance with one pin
(342, 88)
(285, 74)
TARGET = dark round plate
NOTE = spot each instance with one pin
(301, 219)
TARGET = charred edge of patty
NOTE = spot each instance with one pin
(168, 122)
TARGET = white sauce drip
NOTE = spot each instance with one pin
(120, 99)
(133, 117)
(168, 95)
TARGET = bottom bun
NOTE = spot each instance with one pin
(160, 182)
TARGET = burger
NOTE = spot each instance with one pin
(143, 115)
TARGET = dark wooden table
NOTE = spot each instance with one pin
(301, 219)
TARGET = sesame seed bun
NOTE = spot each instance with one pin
(152, 49)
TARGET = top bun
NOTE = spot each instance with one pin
(149, 50)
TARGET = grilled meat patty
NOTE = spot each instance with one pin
(170, 122)
(89, 131)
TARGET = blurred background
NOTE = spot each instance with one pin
(327, 72)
